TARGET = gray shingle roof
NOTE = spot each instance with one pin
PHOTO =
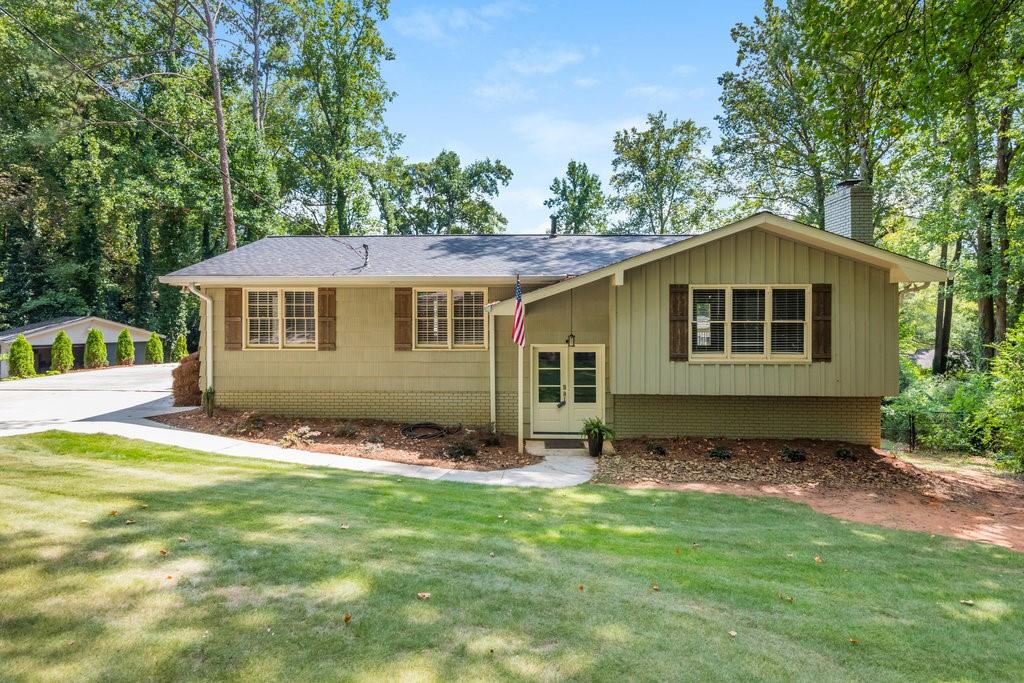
(11, 333)
(428, 256)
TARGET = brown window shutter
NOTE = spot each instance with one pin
(403, 318)
(233, 319)
(326, 321)
(678, 322)
(821, 323)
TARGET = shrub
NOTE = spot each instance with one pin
(1006, 407)
(790, 454)
(655, 448)
(297, 437)
(463, 449)
(719, 452)
(154, 349)
(21, 362)
(185, 382)
(844, 453)
(375, 439)
(180, 349)
(486, 435)
(947, 412)
(125, 348)
(245, 424)
(62, 358)
(345, 430)
(95, 350)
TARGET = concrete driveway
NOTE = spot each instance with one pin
(112, 393)
(118, 401)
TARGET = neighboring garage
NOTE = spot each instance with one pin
(41, 335)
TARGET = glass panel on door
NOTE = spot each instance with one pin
(584, 377)
(549, 376)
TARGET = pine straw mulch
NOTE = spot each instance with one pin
(760, 461)
(371, 439)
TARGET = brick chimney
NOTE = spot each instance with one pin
(848, 211)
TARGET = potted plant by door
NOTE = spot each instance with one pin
(596, 431)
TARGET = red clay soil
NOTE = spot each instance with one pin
(967, 501)
(371, 439)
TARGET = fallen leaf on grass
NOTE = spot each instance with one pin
(581, 587)
(169, 578)
(967, 602)
(129, 521)
(854, 641)
(423, 596)
(787, 598)
(144, 506)
(345, 525)
(165, 552)
(817, 559)
(679, 551)
(346, 617)
(655, 587)
(181, 539)
(113, 513)
(732, 634)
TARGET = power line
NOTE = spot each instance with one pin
(112, 95)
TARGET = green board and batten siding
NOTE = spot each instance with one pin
(864, 315)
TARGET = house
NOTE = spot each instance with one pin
(761, 328)
(41, 335)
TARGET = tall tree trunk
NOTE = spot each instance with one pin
(947, 313)
(1004, 155)
(209, 17)
(257, 38)
(983, 243)
(938, 360)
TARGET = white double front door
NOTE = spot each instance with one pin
(567, 387)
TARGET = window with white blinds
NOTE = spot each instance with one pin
(269, 311)
(450, 319)
(746, 323)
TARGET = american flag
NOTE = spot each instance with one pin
(518, 321)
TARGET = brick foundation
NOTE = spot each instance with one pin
(852, 419)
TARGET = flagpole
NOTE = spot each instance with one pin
(519, 378)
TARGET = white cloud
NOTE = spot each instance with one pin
(444, 24)
(685, 70)
(564, 138)
(503, 92)
(652, 92)
(585, 82)
(541, 61)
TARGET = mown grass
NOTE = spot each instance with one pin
(524, 584)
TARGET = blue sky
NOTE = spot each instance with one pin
(538, 83)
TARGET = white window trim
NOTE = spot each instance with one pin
(767, 357)
(450, 346)
(280, 346)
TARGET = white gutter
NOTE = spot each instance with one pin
(209, 333)
(491, 366)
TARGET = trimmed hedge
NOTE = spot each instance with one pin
(125, 348)
(62, 358)
(154, 349)
(22, 362)
(95, 350)
(180, 349)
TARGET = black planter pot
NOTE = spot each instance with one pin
(595, 442)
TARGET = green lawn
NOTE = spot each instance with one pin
(260, 573)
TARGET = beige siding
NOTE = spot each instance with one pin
(864, 319)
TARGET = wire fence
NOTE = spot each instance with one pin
(945, 429)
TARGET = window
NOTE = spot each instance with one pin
(732, 322)
(450, 318)
(269, 311)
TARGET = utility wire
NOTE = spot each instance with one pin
(112, 95)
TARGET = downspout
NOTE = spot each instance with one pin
(491, 366)
(209, 333)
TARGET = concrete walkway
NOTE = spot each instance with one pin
(109, 402)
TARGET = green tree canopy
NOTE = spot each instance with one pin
(578, 201)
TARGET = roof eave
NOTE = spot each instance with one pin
(178, 280)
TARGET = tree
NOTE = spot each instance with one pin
(180, 349)
(95, 350)
(578, 201)
(62, 357)
(448, 198)
(340, 90)
(22, 361)
(154, 349)
(125, 348)
(661, 177)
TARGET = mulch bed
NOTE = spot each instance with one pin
(372, 439)
(760, 461)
